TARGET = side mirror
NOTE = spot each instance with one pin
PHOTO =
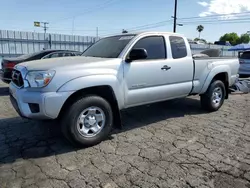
(137, 53)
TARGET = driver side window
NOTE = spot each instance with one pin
(52, 55)
(55, 55)
(155, 46)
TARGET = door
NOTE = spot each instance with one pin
(179, 79)
(161, 75)
(144, 78)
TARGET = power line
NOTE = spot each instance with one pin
(146, 25)
(68, 29)
(89, 10)
(215, 21)
(186, 20)
(225, 22)
(217, 15)
(204, 22)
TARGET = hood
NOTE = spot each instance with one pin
(54, 63)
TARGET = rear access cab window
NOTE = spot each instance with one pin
(178, 47)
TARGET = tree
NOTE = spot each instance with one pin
(233, 38)
(244, 38)
(124, 31)
(200, 28)
(198, 39)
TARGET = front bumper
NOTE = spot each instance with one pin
(50, 103)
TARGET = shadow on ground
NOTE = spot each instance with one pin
(21, 138)
(4, 91)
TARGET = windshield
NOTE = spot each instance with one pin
(109, 47)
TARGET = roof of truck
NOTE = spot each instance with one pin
(148, 33)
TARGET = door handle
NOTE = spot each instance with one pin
(165, 67)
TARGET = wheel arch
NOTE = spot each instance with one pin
(104, 91)
(223, 76)
(219, 73)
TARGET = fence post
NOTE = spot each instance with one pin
(8, 41)
(33, 41)
(15, 41)
(1, 41)
(50, 42)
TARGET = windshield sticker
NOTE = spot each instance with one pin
(126, 38)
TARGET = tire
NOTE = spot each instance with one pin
(92, 107)
(210, 103)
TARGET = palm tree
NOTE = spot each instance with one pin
(200, 28)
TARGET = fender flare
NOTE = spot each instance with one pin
(215, 71)
(80, 83)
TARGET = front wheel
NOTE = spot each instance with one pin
(214, 97)
(88, 121)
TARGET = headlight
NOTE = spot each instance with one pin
(39, 78)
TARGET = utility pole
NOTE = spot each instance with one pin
(175, 16)
(45, 28)
(38, 24)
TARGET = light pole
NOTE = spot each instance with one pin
(45, 28)
(38, 24)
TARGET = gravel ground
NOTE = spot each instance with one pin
(169, 144)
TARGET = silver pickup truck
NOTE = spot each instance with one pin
(86, 93)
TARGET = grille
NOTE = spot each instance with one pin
(17, 78)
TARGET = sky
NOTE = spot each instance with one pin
(82, 17)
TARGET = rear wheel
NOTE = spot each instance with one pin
(88, 121)
(214, 97)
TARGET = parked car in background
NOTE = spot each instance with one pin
(244, 58)
(223, 43)
(8, 64)
(86, 93)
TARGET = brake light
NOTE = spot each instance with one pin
(10, 65)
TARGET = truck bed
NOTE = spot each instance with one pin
(213, 58)
(203, 66)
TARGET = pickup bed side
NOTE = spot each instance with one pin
(208, 69)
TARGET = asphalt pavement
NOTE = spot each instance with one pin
(168, 144)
